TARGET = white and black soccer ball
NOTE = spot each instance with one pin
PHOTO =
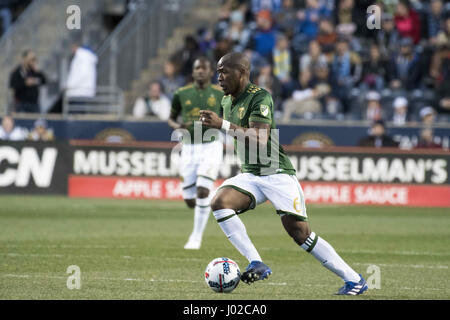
(222, 275)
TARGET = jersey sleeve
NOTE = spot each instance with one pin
(261, 108)
(176, 106)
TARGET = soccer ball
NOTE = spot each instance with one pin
(222, 275)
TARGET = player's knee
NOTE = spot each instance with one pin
(190, 203)
(202, 193)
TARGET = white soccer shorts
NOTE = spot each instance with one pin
(282, 190)
(199, 167)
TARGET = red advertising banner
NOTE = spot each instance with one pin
(315, 192)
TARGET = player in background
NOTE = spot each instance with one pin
(200, 160)
(246, 109)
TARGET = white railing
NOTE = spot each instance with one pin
(108, 100)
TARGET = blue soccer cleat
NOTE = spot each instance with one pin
(353, 288)
(255, 271)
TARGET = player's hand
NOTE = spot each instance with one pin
(210, 119)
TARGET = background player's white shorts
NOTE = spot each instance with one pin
(199, 167)
(282, 190)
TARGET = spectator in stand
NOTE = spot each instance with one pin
(346, 71)
(443, 36)
(374, 110)
(305, 100)
(327, 35)
(268, 81)
(282, 63)
(186, 56)
(374, 70)
(313, 58)
(346, 15)
(434, 20)
(223, 22)
(377, 137)
(237, 32)
(286, 18)
(264, 37)
(206, 41)
(170, 80)
(428, 116)
(440, 50)
(25, 81)
(400, 116)
(41, 132)
(153, 104)
(308, 21)
(269, 5)
(352, 15)
(443, 85)
(388, 6)
(407, 21)
(331, 108)
(404, 67)
(10, 132)
(388, 37)
(82, 77)
(427, 140)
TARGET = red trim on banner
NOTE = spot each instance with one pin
(315, 192)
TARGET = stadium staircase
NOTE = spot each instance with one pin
(203, 13)
(42, 28)
(130, 56)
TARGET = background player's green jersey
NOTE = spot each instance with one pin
(189, 100)
(256, 105)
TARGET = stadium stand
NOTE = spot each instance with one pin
(318, 58)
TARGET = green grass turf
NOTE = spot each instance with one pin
(134, 250)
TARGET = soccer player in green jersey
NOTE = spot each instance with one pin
(248, 116)
(200, 160)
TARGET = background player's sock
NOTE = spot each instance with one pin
(329, 258)
(201, 215)
(236, 232)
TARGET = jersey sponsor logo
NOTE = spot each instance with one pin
(264, 110)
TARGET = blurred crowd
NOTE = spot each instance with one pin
(320, 60)
(9, 131)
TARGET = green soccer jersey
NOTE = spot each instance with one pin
(256, 105)
(189, 100)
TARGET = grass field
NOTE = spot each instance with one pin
(134, 250)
